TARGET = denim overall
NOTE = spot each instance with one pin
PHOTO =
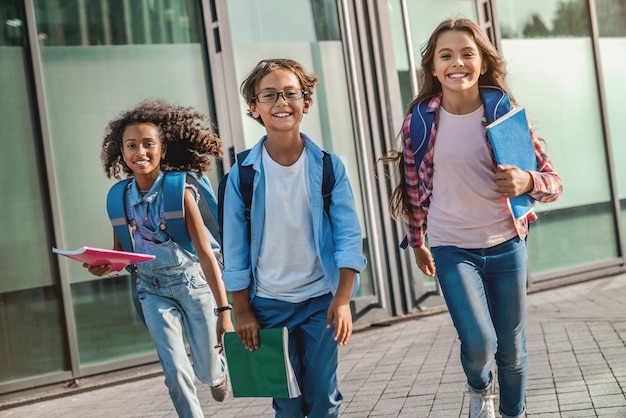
(174, 295)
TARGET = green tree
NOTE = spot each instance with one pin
(571, 19)
(535, 28)
(612, 14)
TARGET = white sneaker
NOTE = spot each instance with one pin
(221, 392)
(481, 403)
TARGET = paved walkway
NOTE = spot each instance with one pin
(577, 352)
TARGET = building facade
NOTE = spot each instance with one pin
(69, 66)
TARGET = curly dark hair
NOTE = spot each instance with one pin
(186, 133)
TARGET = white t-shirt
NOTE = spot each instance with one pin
(288, 268)
(466, 210)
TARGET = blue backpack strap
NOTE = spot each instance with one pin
(421, 127)
(246, 182)
(207, 203)
(173, 209)
(328, 181)
(496, 101)
(246, 187)
(116, 208)
(221, 189)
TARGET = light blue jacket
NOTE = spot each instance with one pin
(338, 241)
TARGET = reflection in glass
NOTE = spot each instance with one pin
(547, 19)
(79, 22)
(562, 103)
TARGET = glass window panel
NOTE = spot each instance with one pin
(33, 337)
(107, 336)
(612, 15)
(100, 58)
(562, 102)
(28, 291)
(258, 32)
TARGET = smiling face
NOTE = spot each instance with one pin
(280, 116)
(142, 149)
(458, 63)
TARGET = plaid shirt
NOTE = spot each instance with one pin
(419, 182)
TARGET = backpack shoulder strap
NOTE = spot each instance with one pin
(246, 183)
(497, 102)
(221, 189)
(328, 181)
(173, 209)
(206, 203)
(116, 208)
(246, 186)
(421, 126)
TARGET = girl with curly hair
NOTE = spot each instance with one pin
(178, 289)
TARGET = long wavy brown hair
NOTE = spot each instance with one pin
(186, 133)
(430, 87)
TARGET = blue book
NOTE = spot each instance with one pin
(512, 144)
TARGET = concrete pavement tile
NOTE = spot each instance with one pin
(543, 407)
(611, 412)
(609, 401)
(568, 387)
(580, 413)
(573, 397)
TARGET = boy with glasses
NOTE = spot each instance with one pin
(299, 268)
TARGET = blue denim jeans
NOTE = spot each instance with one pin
(172, 303)
(485, 291)
(313, 353)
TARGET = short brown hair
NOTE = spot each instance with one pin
(266, 66)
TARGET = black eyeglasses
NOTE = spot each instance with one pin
(272, 96)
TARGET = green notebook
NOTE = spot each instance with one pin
(264, 372)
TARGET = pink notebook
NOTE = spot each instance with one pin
(99, 256)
